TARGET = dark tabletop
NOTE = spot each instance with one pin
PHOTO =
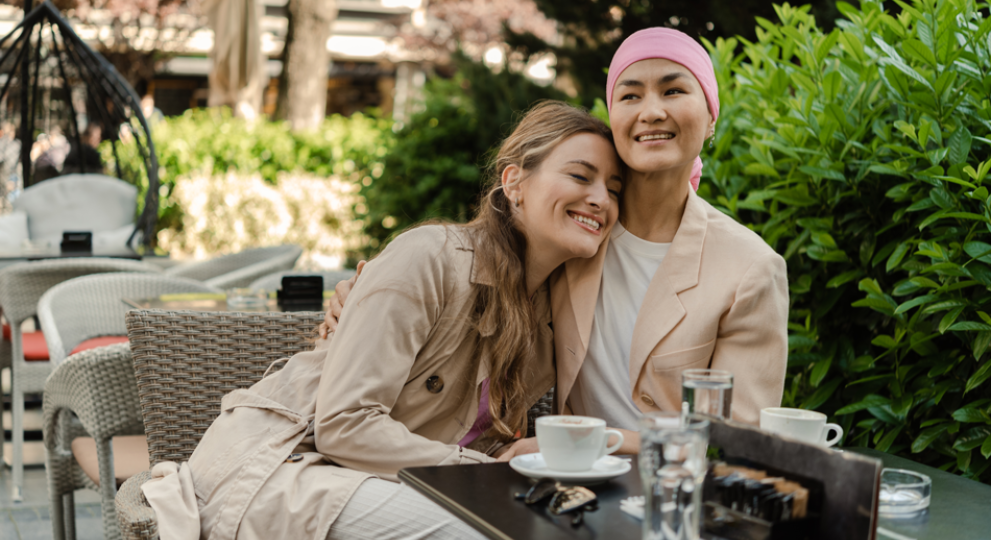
(482, 495)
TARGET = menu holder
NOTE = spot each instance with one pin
(842, 487)
(301, 293)
(77, 242)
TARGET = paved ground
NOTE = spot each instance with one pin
(29, 520)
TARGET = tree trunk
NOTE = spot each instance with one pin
(305, 62)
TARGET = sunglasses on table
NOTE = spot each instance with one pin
(560, 499)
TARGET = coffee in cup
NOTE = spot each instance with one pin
(804, 425)
(574, 443)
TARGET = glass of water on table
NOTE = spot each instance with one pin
(707, 391)
(672, 471)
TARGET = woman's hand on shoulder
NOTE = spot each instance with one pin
(518, 448)
(333, 315)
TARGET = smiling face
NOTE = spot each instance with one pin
(659, 116)
(571, 201)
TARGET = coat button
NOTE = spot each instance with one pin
(435, 384)
(646, 399)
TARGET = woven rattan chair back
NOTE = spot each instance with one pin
(185, 362)
(93, 306)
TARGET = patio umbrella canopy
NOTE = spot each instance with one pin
(52, 81)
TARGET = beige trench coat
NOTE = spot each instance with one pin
(719, 301)
(396, 387)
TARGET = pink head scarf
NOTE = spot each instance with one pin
(677, 47)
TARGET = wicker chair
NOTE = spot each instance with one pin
(273, 281)
(240, 269)
(91, 394)
(21, 286)
(71, 313)
(185, 362)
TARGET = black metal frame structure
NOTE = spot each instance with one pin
(46, 70)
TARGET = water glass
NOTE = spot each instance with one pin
(672, 470)
(708, 391)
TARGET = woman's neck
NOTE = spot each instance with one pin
(653, 203)
(539, 265)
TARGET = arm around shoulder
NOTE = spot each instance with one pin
(753, 338)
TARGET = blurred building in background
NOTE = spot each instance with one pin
(370, 67)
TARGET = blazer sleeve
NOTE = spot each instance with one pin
(753, 338)
(391, 314)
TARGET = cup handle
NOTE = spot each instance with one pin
(613, 448)
(839, 434)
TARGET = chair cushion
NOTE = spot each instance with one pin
(13, 230)
(130, 457)
(101, 341)
(35, 348)
(77, 202)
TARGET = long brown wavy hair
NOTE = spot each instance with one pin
(505, 317)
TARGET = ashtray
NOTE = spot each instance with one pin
(904, 493)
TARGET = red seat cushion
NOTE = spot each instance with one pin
(102, 341)
(35, 349)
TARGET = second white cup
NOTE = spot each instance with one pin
(574, 443)
(804, 425)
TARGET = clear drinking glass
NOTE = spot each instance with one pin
(708, 391)
(672, 470)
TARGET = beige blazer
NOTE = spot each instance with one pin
(719, 300)
(396, 387)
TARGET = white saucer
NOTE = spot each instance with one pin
(605, 468)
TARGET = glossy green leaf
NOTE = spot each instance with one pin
(822, 394)
(970, 415)
(897, 255)
(947, 321)
(819, 371)
(927, 437)
(978, 250)
(971, 438)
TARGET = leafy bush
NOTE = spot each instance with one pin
(434, 169)
(862, 155)
(209, 142)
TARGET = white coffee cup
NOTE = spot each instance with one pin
(574, 443)
(803, 425)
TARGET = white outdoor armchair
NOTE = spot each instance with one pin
(21, 287)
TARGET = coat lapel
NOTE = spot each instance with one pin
(661, 310)
(574, 293)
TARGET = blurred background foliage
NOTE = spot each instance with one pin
(858, 145)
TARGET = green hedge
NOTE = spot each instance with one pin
(862, 156)
(211, 142)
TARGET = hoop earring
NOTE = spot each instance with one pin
(517, 202)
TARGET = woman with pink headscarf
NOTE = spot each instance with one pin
(678, 284)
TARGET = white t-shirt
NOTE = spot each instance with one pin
(603, 388)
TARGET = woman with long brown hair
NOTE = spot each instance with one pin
(308, 451)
